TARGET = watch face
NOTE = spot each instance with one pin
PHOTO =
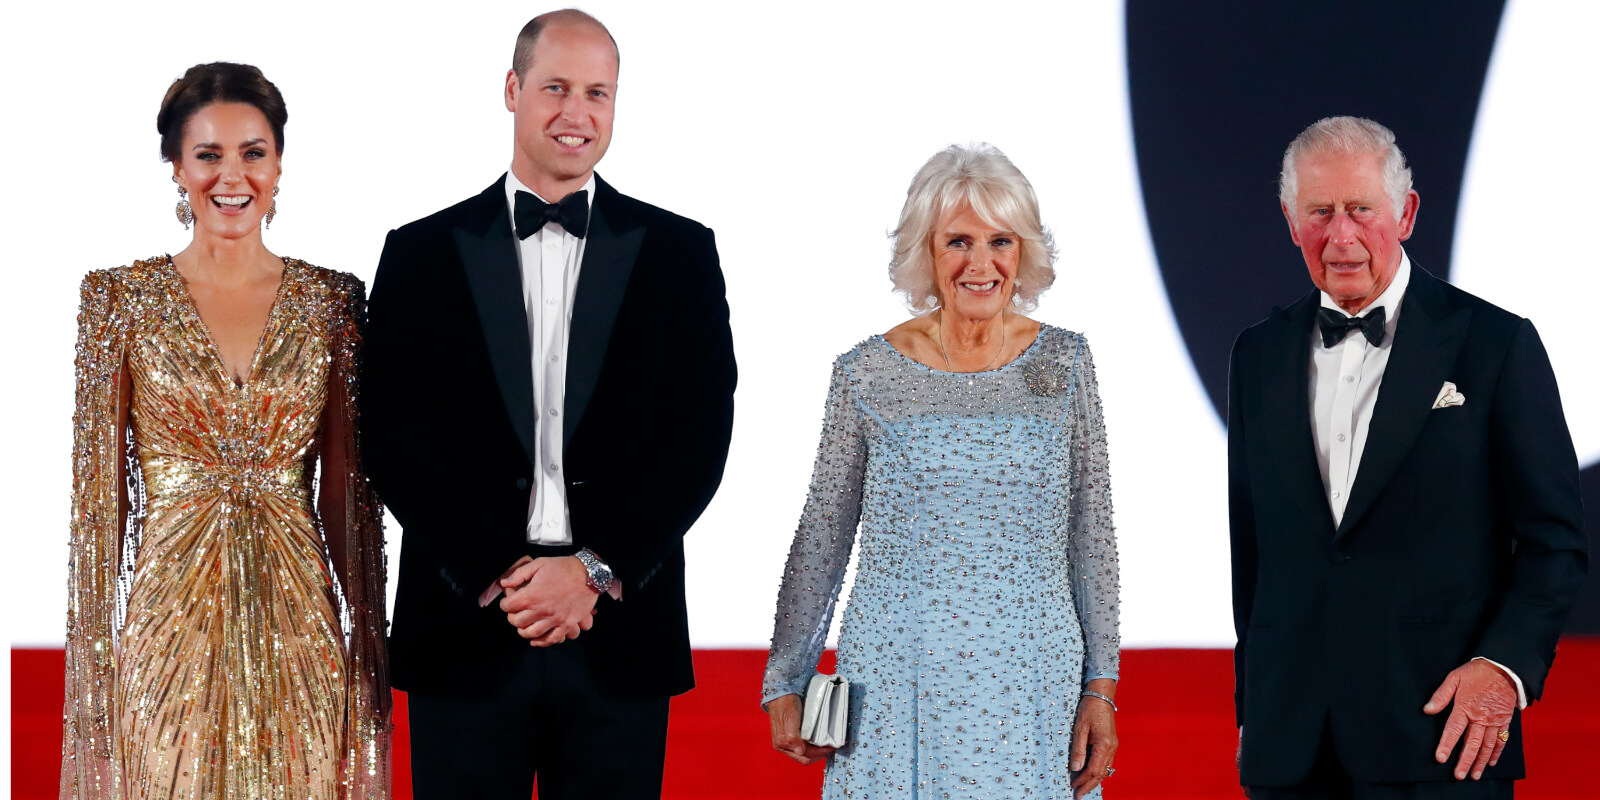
(600, 576)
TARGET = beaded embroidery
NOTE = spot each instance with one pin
(987, 589)
(210, 652)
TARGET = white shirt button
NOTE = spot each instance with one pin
(554, 413)
(1340, 437)
(554, 467)
(1349, 379)
(1336, 495)
(550, 302)
(554, 523)
(554, 358)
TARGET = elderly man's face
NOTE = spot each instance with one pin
(1345, 227)
(975, 264)
(564, 105)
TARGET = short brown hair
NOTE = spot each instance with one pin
(522, 58)
(218, 82)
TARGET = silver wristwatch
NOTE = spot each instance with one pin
(600, 577)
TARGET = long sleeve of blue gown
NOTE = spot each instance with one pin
(815, 570)
(1091, 538)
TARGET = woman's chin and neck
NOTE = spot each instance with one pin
(964, 327)
(225, 255)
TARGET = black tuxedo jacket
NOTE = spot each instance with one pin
(448, 433)
(1462, 538)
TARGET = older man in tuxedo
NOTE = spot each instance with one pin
(548, 400)
(1404, 503)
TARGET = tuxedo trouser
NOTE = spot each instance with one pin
(550, 721)
(1328, 780)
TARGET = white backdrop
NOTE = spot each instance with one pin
(792, 130)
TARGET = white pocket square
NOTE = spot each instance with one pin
(1448, 396)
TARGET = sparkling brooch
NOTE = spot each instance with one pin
(1045, 378)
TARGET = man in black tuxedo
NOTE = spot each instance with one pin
(1404, 503)
(547, 404)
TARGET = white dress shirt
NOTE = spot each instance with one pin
(550, 260)
(1344, 389)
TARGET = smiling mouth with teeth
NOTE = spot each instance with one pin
(981, 287)
(234, 200)
(572, 141)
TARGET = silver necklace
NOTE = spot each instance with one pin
(986, 367)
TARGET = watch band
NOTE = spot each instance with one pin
(600, 575)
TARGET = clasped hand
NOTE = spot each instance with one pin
(1484, 698)
(548, 600)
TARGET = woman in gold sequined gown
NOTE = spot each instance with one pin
(225, 623)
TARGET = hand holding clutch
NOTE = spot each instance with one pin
(827, 710)
(785, 713)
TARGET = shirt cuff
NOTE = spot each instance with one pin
(1522, 694)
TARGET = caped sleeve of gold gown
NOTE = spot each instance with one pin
(209, 652)
(95, 565)
(352, 522)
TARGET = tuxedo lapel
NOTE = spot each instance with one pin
(489, 257)
(1286, 395)
(609, 253)
(1426, 340)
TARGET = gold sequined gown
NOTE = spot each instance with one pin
(222, 640)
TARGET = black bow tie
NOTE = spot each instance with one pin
(1335, 326)
(533, 214)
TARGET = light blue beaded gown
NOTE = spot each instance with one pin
(986, 592)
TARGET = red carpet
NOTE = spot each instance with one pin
(1176, 728)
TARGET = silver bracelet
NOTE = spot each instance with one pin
(1099, 696)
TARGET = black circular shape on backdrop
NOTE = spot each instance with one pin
(1216, 94)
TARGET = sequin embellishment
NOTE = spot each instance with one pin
(986, 593)
(215, 648)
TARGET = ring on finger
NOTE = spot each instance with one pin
(1503, 736)
(1110, 771)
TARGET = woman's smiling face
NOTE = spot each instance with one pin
(230, 166)
(975, 264)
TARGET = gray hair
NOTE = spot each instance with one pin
(980, 177)
(1347, 136)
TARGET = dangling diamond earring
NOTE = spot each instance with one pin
(185, 213)
(273, 211)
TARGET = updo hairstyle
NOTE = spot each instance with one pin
(218, 82)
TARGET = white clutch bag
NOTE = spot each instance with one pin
(826, 711)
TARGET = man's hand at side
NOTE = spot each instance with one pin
(548, 600)
(1484, 698)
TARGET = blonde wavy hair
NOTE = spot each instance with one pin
(979, 177)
